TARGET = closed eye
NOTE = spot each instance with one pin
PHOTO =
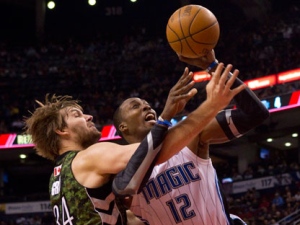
(76, 113)
(135, 106)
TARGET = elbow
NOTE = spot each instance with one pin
(265, 114)
(260, 117)
(260, 114)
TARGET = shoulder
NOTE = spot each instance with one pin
(98, 149)
(88, 166)
(92, 155)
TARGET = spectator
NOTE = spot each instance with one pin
(248, 174)
(261, 171)
(278, 200)
(297, 196)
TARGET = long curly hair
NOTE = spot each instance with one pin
(45, 120)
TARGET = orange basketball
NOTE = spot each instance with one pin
(192, 31)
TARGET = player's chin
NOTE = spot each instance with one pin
(97, 135)
(94, 131)
(150, 123)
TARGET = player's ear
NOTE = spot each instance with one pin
(62, 132)
(123, 127)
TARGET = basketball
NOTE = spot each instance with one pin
(192, 31)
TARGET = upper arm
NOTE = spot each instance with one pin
(213, 134)
(106, 157)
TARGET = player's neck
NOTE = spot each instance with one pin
(132, 139)
(69, 146)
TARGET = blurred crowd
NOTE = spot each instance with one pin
(255, 207)
(103, 71)
(264, 206)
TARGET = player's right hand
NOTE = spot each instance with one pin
(219, 90)
(179, 95)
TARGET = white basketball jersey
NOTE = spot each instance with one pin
(182, 190)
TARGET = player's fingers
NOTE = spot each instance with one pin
(187, 87)
(186, 96)
(238, 89)
(184, 82)
(225, 74)
(216, 75)
(186, 91)
(211, 85)
(186, 76)
(192, 93)
(231, 78)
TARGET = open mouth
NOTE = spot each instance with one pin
(91, 125)
(150, 117)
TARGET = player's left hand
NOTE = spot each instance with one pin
(203, 61)
(179, 95)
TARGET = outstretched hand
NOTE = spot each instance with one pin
(203, 61)
(179, 95)
(218, 89)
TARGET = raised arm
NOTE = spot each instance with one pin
(219, 94)
(249, 113)
(233, 123)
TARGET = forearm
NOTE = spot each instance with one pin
(250, 112)
(246, 100)
(128, 181)
(186, 130)
(249, 103)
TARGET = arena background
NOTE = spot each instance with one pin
(28, 25)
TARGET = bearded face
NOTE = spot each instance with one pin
(80, 127)
(86, 137)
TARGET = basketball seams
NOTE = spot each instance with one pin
(213, 24)
(189, 29)
(179, 14)
(180, 28)
(192, 20)
(178, 38)
(205, 43)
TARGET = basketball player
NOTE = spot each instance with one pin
(81, 184)
(185, 188)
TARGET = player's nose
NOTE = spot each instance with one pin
(88, 117)
(146, 107)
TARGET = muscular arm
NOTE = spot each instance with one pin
(233, 123)
(94, 166)
(128, 181)
(249, 113)
(219, 94)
